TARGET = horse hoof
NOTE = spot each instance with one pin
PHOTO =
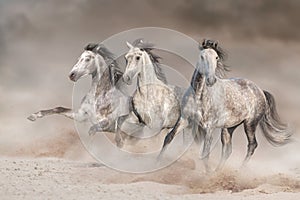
(208, 170)
(92, 131)
(32, 117)
(120, 144)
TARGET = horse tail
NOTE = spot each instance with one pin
(275, 131)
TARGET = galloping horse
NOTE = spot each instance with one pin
(154, 103)
(99, 105)
(228, 103)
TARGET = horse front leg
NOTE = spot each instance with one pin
(206, 148)
(80, 115)
(67, 112)
(179, 126)
(226, 139)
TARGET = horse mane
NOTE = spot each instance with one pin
(109, 58)
(148, 47)
(221, 69)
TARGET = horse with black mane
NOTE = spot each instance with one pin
(103, 103)
(227, 103)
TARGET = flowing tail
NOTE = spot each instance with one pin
(275, 131)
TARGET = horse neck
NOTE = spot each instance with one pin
(106, 82)
(148, 74)
(203, 92)
(198, 82)
(96, 76)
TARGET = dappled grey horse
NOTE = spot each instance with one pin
(154, 103)
(228, 103)
(103, 102)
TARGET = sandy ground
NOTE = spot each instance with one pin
(51, 178)
(61, 168)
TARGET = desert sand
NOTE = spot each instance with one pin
(53, 178)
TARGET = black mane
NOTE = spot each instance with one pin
(145, 46)
(110, 59)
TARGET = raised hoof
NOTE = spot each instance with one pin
(32, 117)
(119, 142)
(93, 130)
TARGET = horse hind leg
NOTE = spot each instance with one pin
(58, 110)
(250, 128)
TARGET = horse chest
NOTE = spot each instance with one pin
(105, 104)
(156, 105)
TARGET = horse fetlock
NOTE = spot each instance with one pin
(93, 130)
(119, 140)
(32, 117)
(119, 143)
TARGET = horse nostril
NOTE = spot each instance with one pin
(72, 76)
(210, 81)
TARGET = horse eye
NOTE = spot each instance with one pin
(87, 59)
(137, 58)
(217, 58)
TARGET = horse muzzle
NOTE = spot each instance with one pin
(127, 79)
(73, 76)
(210, 81)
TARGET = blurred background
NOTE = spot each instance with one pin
(41, 40)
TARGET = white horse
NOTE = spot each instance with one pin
(103, 103)
(228, 103)
(154, 104)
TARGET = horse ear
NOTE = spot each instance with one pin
(98, 48)
(200, 46)
(90, 46)
(216, 44)
(204, 42)
(129, 45)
